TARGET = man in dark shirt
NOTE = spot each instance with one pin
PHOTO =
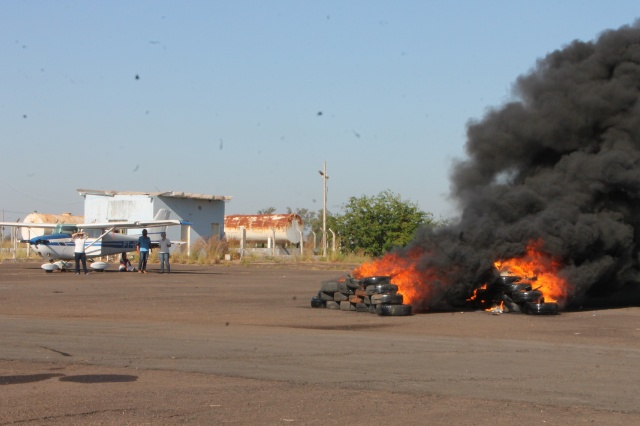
(143, 247)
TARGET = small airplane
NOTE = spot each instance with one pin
(103, 241)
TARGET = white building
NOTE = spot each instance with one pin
(204, 212)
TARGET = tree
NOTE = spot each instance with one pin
(268, 210)
(377, 224)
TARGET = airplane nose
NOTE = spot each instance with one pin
(36, 241)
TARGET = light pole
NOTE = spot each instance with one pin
(324, 209)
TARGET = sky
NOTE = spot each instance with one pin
(249, 98)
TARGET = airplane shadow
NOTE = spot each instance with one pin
(100, 378)
(84, 378)
(27, 378)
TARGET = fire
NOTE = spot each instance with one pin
(536, 263)
(404, 273)
(474, 296)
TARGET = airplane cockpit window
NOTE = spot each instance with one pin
(65, 229)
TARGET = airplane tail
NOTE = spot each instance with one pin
(163, 214)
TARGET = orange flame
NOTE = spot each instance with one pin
(474, 296)
(496, 308)
(536, 263)
(404, 273)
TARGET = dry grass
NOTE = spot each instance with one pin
(214, 251)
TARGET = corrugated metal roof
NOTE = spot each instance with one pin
(168, 194)
(264, 221)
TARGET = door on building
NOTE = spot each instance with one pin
(215, 230)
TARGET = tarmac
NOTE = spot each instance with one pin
(233, 344)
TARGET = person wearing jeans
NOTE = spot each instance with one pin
(143, 247)
(163, 254)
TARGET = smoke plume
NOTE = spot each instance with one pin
(560, 163)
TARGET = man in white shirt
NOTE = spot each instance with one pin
(79, 238)
(163, 253)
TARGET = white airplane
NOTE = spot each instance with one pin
(103, 241)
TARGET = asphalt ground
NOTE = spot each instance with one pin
(242, 345)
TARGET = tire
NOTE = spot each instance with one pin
(503, 280)
(360, 292)
(355, 299)
(509, 305)
(352, 283)
(512, 288)
(329, 286)
(347, 306)
(344, 288)
(326, 296)
(391, 299)
(361, 307)
(339, 297)
(382, 289)
(532, 296)
(541, 308)
(375, 280)
(332, 305)
(316, 303)
(393, 310)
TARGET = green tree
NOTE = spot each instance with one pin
(379, 223)
(268, 210)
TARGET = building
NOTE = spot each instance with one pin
(267, 233)
(204, 212)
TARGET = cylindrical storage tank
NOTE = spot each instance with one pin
(35, 217)
(261, 227)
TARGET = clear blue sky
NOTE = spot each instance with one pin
(249, 98)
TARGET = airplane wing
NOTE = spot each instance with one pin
(126, 225)
(29, 225)
(133, 224)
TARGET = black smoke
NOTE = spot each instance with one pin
(561, 163)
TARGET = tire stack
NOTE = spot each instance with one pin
(517, 295)
(376, 295)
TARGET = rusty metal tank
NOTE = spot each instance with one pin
(262, 227)
(35, 217)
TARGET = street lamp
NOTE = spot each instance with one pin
(324, 209)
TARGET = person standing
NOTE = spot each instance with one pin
(79, 238)
(163, 254)
(143, 247)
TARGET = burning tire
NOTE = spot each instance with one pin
(541, 308)
(532, 296)
(515, 287)
(316, 302)
(393, 310)
(509, 305)
(504, 280)
(329, 286)
(391, 299)
(375, 280)
(382, 289)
